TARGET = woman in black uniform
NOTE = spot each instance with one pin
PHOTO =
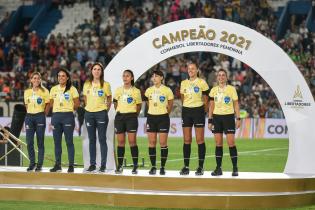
(194, 95)
(160, 101)
(127, 103)
(223, 110)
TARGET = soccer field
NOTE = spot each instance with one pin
(260, 155)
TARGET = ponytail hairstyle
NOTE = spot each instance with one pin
(40, 77)
(133, 77)
(102, 74)
(197, 66)
(69, 83)
(225, 72)
(160, 73)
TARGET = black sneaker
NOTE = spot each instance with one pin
(119, 170)
(199, 171)
(216, 172)
(152, 170)
(38, 168)
(162, 171)
(56, 168)
(235, 171)
(70, 169)
(31, 167)
(91, 168)
(134, 170)
(102, 168)
(184, 171)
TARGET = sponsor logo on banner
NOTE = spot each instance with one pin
(297, 102)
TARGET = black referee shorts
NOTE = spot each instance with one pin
(223, 123)
(158, 123)
(126, 122)
(194, 116)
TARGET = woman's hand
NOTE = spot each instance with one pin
(210, 126)
(238, 123)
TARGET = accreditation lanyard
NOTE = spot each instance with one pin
(95, 92)
(156, 96)
(126, 94)
(94, 89)
(220, 94)
(191, 88)
(34, 98)
(61, 96)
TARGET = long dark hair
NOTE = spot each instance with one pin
(102, 74)
(133, 77)
(69, 83)
(197, 66)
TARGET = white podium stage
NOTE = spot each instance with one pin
(249, 190)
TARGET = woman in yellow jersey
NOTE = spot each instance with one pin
(222, 112)
(97, 99)
(64, 99)
(194, 95)
(36, 99)
(159, 99)
(127, 103)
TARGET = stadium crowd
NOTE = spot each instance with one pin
(102, 37)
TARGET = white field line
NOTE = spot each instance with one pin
(245, 152)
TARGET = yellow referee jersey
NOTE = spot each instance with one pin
(63, 102)
(36, 100)
(158, 99)
(223, 99)
(127, 99)
(96, 97)
(192, 91)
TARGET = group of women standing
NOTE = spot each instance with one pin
(195, 94)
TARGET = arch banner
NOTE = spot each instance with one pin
(244, 44)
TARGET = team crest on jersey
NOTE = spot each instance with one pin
(67, 96)
(162, 98)
(129, 100)
(227, 99)
(39, 100)
(100, 93)
(196, 89)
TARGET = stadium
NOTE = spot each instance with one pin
(264, 47)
